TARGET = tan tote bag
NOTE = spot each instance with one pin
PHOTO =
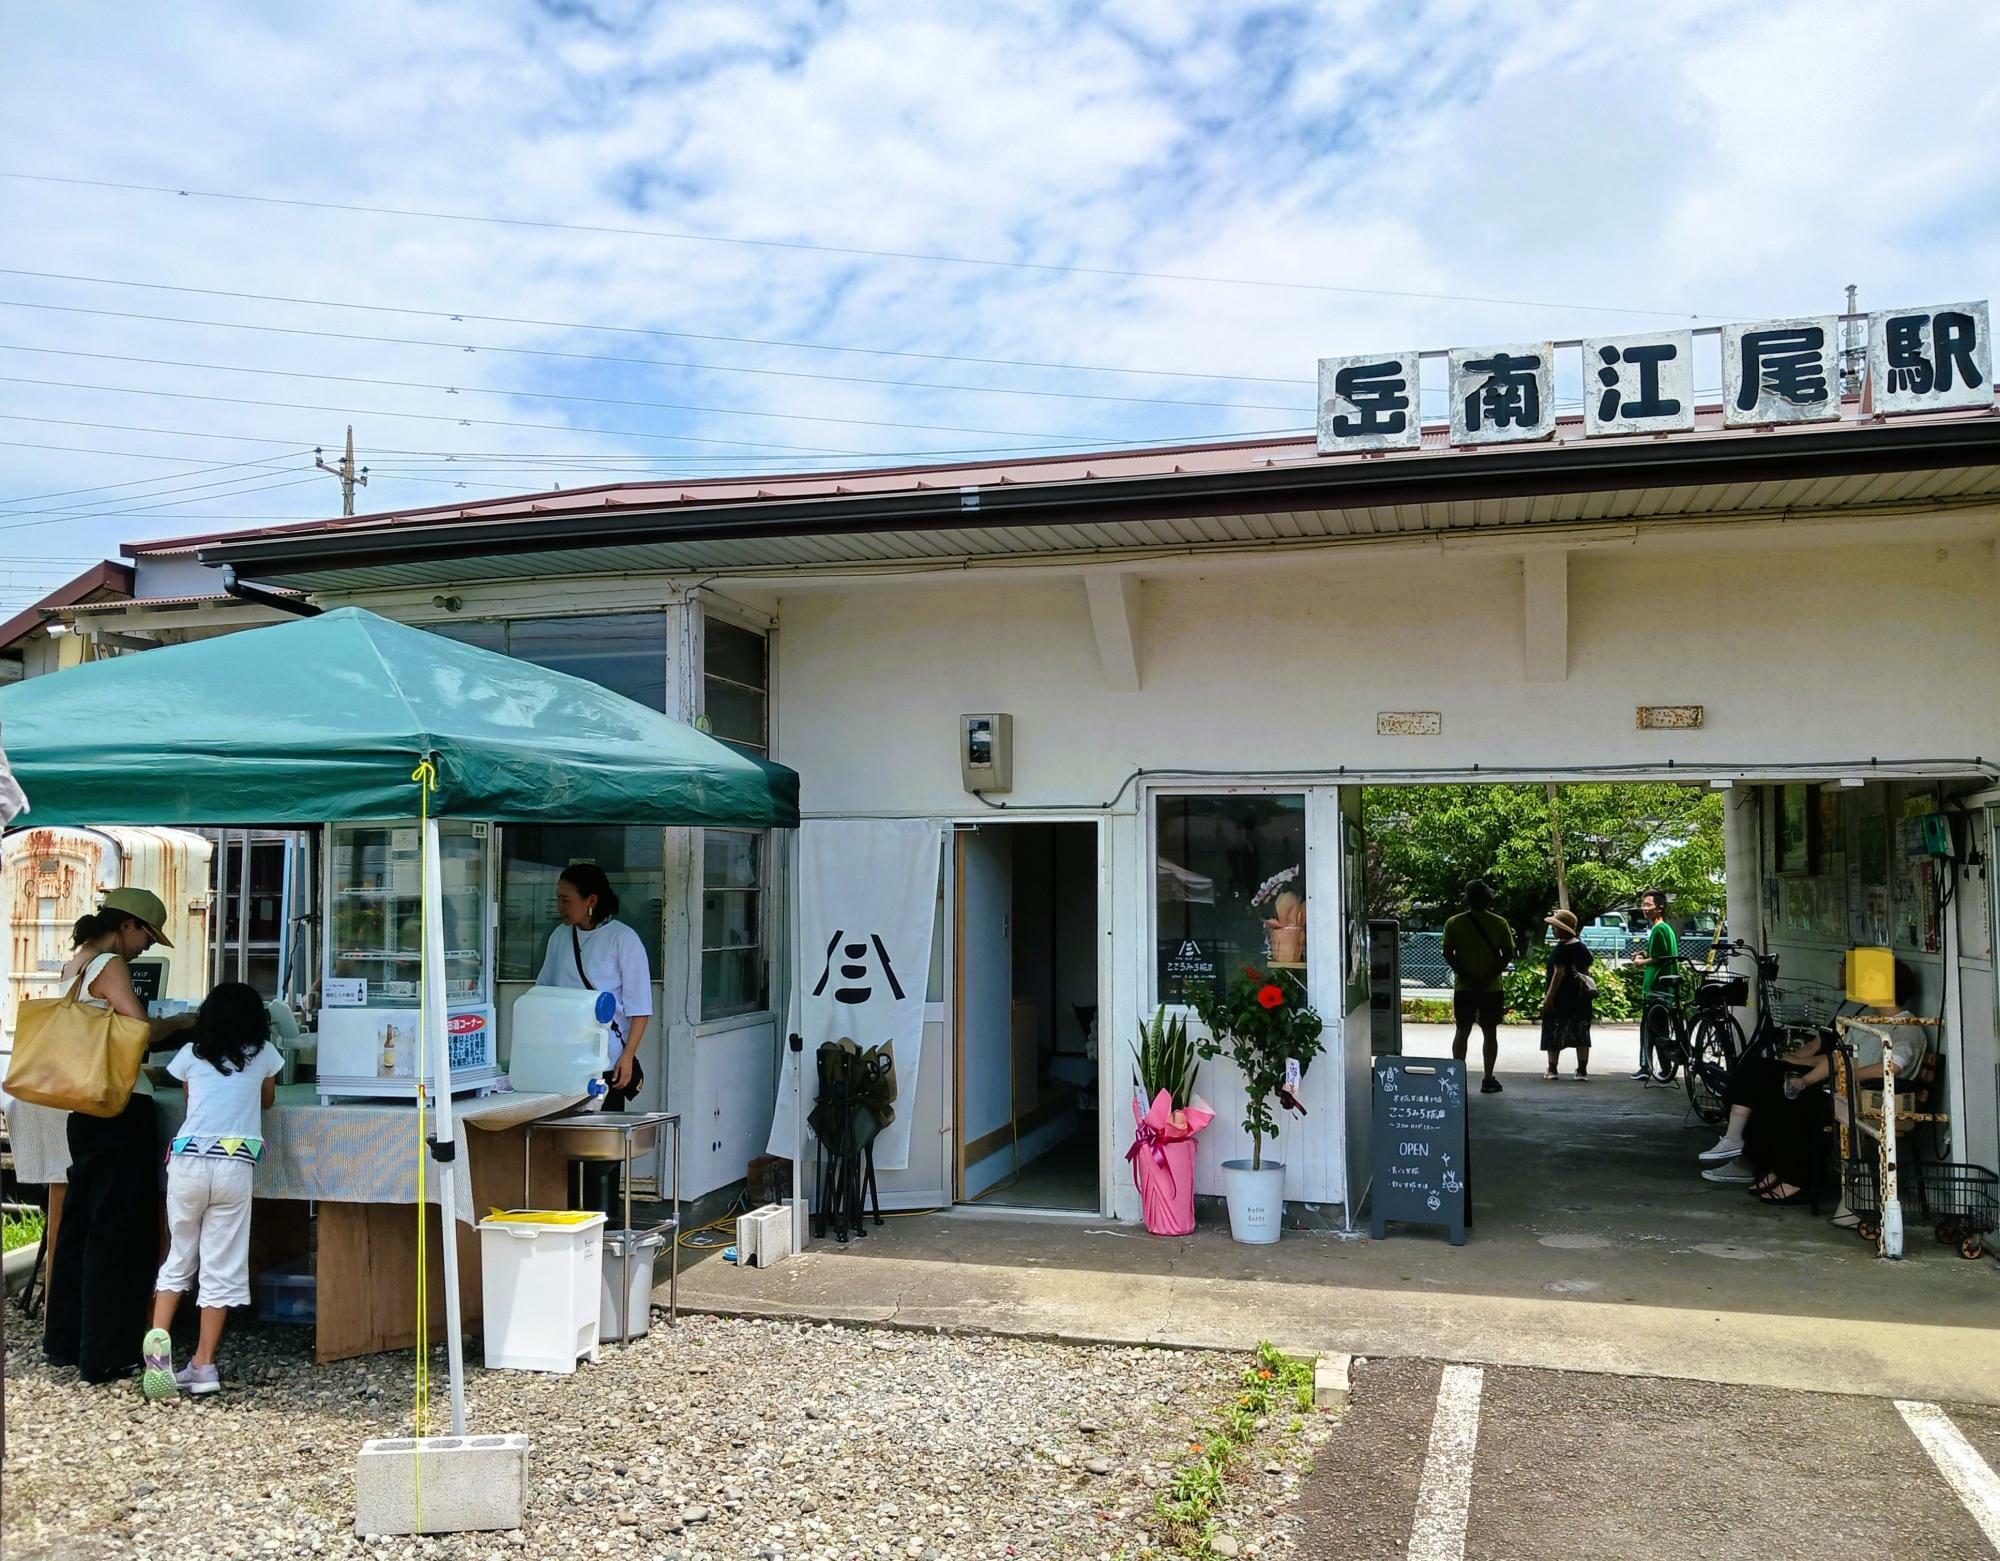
(74, 1055)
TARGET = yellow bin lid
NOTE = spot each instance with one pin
(543, 1217)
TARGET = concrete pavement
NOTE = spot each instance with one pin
(1596, 1248)
(1551, 1466)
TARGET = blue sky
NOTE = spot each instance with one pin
(1387, 175)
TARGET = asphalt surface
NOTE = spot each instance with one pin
(1571, 1467)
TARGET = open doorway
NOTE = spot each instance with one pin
(1026, 949)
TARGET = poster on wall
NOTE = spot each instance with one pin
(1794, 829)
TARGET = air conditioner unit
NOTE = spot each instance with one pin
(764, 1236)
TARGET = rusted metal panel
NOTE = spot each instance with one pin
(50, 877)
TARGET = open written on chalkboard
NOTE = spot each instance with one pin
(1422, 1167)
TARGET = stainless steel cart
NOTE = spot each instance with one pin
(597, 1136)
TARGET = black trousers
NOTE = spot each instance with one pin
(604, 1181)
(108, 1247)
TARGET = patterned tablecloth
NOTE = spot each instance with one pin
(348, 1152)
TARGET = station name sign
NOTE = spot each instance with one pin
(1773, 371)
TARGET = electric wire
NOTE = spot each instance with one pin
(548, 395)
(460, 316)
(668, 363)
(850, 251)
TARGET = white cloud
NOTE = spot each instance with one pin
(1703, 157)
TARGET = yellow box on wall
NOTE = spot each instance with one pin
(1871, 977)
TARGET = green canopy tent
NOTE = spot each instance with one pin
(326, 719)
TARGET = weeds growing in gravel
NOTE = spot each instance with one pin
(1188, 1506)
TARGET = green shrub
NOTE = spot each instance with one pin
(1528, 979)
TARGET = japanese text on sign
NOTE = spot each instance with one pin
(1773, 371)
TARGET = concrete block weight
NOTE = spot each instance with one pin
(469, 1482)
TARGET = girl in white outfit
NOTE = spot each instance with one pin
(231, 1072)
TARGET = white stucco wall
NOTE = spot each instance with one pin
(1800, 650)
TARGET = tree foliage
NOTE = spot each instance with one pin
(1619, 840)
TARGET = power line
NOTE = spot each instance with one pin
(1023, 451)
(228, 487)
(673, 363)
(850, 251)
(549, 395)
(57, 519)
(137, 455)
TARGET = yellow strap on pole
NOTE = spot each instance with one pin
(425, 777)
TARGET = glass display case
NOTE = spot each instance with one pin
(374, 956)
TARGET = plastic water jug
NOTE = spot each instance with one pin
(561, 1039)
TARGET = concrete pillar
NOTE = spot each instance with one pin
(1742, 844)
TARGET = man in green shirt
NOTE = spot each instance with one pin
(1479, 946)
(1663, 949)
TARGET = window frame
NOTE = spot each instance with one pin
(1315, 850)
(748, 624)
(698, 943)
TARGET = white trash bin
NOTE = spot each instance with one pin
(540, 1271)
(639, 1300)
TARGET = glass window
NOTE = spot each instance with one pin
(624, 652)
(735, 684)
(378, 920)
(1225, 868)
(532, 857)
(733, 962)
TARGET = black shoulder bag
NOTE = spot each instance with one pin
(576, 948)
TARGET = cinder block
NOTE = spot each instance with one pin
(764, 1236)
(469, 1482)
(1330, 1381)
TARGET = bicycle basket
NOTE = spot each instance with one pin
(1722, 992)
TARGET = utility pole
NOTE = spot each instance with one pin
(349, 478)
(1850, 349)
(1556, 838)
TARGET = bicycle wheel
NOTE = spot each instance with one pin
(1713, 1047)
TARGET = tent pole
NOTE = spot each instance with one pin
(441, 1106)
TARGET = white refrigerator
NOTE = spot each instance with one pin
(374, 957)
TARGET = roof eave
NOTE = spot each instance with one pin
(1759, 455)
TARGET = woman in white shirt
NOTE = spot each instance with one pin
(592, 948)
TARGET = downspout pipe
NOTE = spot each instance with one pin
(297, 606)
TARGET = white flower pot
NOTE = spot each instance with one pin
(1256, 1200)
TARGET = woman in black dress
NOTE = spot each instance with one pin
(1566, 1009)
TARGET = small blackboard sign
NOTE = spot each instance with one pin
(1423, 1174)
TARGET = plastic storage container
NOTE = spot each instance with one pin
(540, 1272)
(561, 1039)
(638, 1301)
(289, 1294)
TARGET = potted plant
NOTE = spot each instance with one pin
(1167, 1116)
(1260, 1025)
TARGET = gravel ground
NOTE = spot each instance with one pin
(722, 1439)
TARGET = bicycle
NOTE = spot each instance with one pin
(1666, 1020)
(1716, 1044)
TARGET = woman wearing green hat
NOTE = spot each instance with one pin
(101, 1275)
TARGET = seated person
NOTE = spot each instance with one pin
(1774, 1141)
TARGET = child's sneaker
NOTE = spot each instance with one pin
(159, 1380)
(198, 1381)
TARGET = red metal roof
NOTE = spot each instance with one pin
(107, 579)
(1089, 466)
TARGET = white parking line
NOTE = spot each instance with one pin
(1959, 1462)
(1444, 1497)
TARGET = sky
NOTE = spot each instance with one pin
(521, 244)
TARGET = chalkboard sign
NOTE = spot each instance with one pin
(1423, 1174)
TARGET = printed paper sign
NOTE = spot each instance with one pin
(345, 992)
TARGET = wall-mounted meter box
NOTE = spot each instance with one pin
(986, 752)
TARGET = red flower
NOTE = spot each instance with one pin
(1253, 972)
(1271, 997)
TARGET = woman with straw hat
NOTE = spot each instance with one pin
(101, 1273)
(1566, 1008)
